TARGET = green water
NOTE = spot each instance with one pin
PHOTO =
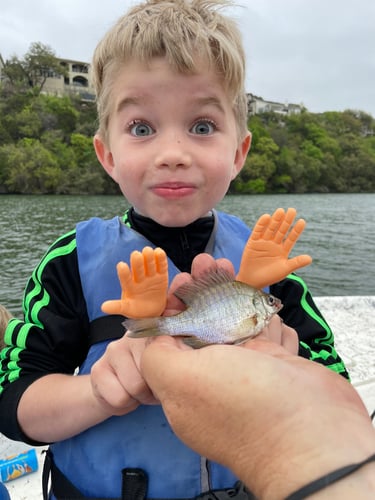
(340, 235)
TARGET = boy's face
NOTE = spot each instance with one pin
(172, 141)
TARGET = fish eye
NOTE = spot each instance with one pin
(271, 300)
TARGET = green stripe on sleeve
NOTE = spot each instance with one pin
(310, 311)
(32, 315)
(35, 300)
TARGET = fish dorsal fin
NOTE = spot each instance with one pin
(189, 292)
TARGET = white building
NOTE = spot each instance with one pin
(76, 81)
(257, 105)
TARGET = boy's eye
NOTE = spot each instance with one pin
(140, 129)
(203, 127)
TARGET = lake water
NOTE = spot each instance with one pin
(340, 235)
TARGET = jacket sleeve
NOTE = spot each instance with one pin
(52, 337)
(300, 312)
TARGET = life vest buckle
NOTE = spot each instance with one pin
(238, 492)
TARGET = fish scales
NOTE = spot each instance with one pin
(219, 310)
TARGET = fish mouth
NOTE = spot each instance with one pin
(278, 306)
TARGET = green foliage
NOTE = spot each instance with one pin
(30, 167)
(33, 69)
(306, 152)
(46, 142)
(42, 150)
(59, 112)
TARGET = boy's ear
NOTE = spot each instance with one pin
(103, 154)
(241, 154)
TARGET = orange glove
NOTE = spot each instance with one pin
(265, 257)
(144, 286)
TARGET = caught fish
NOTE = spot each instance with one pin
(219, 311)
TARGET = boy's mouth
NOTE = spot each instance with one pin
(173, 190)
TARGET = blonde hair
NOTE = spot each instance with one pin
(5, 316)
(185, 32)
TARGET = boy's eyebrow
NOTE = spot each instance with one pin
(211, 101)
(201, 101)
(127, 101)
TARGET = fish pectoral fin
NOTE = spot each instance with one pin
(250, 321)
(195, 342)
(249, 325)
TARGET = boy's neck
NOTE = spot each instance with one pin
(135, 214)
(181, 244)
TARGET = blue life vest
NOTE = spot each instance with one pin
(93, 460)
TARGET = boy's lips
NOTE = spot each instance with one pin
(173, 190)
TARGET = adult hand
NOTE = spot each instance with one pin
(277, 420)
(280, 334)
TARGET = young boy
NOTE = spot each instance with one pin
(172, 133)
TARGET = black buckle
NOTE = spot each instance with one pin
(134, 484)
(238, 492)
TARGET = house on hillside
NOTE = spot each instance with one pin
(257, 105)
(77, 80)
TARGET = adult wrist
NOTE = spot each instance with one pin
(299, 459)
(358, 475)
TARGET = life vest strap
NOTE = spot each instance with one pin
(134, 486)
(106, 328)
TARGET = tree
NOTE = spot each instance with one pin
(88, 176)
(56, 113)
(32, 71)
(46, 146)
(30, 168)
(14, 74)
(259, 166)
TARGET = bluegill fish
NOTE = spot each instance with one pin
(219, 311)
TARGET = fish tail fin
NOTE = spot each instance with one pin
(145, 327)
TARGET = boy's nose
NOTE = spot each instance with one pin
(173, 154)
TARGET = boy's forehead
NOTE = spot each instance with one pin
(180, 99)
(144, 100)
(138, 81)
